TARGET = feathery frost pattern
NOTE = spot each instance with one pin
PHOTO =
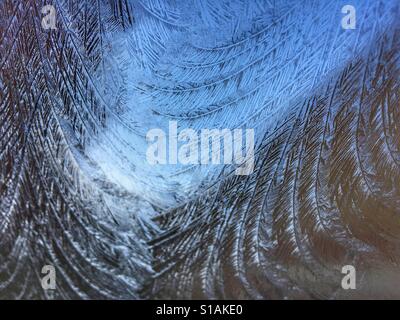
(76, 191)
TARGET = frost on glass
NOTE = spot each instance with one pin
(77, 192)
